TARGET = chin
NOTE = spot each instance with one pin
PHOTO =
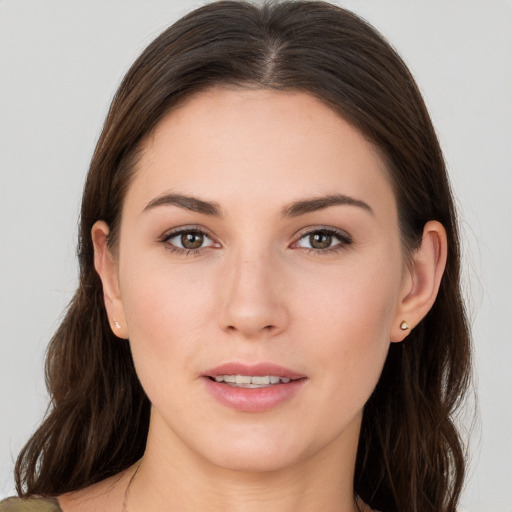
(256, 452)
(254, 461)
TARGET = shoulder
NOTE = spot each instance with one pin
(29, 505)
(361, 506)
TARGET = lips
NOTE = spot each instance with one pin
(254, 370)
(253, 388)
(252, 381)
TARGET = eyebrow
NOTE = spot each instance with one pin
(319, 203)
(187, 202)
(295, 209)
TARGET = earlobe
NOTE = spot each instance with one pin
(422, 283)
(106, 267)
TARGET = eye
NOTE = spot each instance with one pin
(324, 240)
(187, 240)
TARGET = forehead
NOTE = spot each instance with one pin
(266, 145)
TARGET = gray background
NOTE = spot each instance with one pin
(60, 63)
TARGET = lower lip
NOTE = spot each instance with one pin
(253, 399)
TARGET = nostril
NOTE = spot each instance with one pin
(269, 327)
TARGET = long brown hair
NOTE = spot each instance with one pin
(410, 455)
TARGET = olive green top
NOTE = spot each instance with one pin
(29, 505)
(51, 505)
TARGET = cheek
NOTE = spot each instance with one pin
(358, 298)
(167, 314)
(347, 320)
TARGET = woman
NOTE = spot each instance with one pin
(266, 210)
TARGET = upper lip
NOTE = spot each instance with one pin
(259, 369)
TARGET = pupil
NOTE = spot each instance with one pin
(320, 240)
(192, 240)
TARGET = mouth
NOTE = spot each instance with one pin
(251, 381)
(253, 387)
(260, 375)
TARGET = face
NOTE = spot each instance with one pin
(260, 275)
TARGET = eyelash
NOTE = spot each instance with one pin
(182, 251)
(343, 238)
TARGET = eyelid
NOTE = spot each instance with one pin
(344, 238)
(328, 229)
(184, 229)
(171, 233)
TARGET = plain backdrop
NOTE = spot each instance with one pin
(60, 63)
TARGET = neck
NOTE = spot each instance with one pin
(174, 477)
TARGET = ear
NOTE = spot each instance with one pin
(106, 266)
(422, 280)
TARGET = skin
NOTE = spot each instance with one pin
(257, 291)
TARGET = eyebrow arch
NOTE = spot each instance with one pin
(319, 203)
(187, 202)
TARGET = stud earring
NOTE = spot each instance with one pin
(404, 326)
(116, 323)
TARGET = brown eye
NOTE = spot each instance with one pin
(320, 240)
(324, 240)
(192, 240)
(188, 240)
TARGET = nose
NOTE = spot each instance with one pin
(252, 302)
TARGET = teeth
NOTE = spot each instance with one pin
(243, 379)
(260, 380)
(248, 381)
